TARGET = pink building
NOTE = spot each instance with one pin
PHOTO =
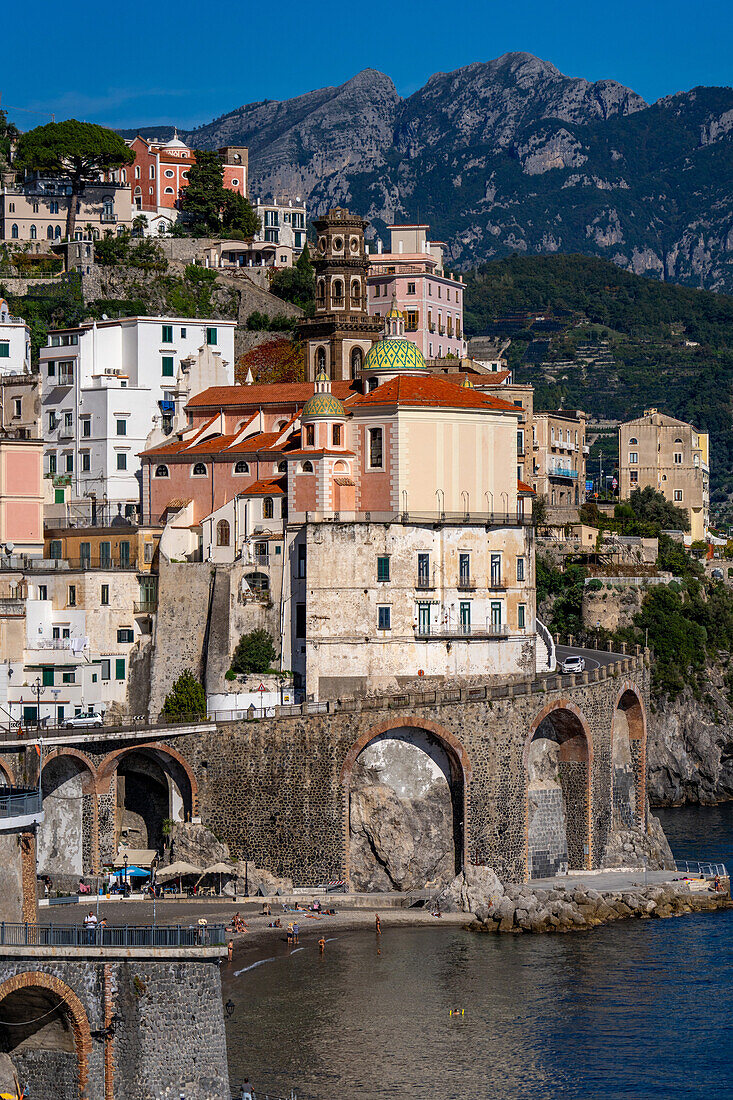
(21, 494)
(412, 277)
(392, 439)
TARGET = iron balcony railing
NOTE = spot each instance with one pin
(488, 630)
(19, 802)
(466, 583)
(470, 517)
(146, 607)
(75, 935)
(107, 218)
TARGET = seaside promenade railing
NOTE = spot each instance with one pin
(701, 868)
(19, 802)
(75, 935)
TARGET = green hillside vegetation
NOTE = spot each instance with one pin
(647, 326)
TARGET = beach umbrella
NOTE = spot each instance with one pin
(217, 869)
(179, 870)
(131, 872)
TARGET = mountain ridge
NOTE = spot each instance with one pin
(506, 156)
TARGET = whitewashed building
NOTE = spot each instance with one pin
(15, 342)
(108, 385)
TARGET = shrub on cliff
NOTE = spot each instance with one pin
(255, 652)
(186, 698)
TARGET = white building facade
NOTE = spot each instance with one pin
(15, 342)
(108, 385)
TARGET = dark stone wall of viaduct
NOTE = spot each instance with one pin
(277, 789)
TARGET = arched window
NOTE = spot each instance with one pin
(14, 232)
(267, 508)
(678, 440)
(34, 232)
(357, 361)
(373, 383)
(222, 533)
(137, 172)
(123, 176)
(108, 207)
(320, 359)
(321, 292)
(355, 292)
(161, 471)
(307, 467)
(78, 235)
(633, 442)
(49, 233)
(169, 191)
(95, 234)
(241, 468)
(337, 292)
(199, 469)
(282, 467)
(57, 233)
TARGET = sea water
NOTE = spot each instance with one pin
(634, 1009)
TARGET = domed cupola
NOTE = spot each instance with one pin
(323, 405)
(394, 353)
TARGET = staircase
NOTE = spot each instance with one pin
(545, 651)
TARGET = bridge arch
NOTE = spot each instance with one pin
(6, 775)
(558, 757)
(412, 832)
(58, 1027)
(147, 785)
(69, 833)
(628, 758)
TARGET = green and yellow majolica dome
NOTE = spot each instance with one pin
(322, 405)
(394, 354)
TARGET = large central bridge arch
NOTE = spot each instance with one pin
(405, 805)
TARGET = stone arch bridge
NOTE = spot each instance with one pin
(527, 778)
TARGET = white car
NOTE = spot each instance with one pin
(573, 663)
(84, 722)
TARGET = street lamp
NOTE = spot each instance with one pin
(38, 690)
(124, 859)
(229, 1007)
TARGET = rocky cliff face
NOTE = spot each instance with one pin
(690, 749)
(510, 155)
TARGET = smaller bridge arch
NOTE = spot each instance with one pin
(149, 783)
(558, 757)
(68, 836)
(57, 1025)
(6, 774)
(628, 758)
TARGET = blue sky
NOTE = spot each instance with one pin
(205, 59)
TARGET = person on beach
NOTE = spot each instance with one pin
(296, 933)
(290, 932)
(230, 950)
(378, 924)
(321, 945)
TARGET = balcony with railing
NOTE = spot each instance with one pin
(555, 469)
(467, 583)
(107, 217)
(464, 631)
(424, 582)
(146, 607)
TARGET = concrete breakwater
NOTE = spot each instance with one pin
(574, 908)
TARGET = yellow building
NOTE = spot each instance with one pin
(670, 456)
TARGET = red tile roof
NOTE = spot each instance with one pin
(434, 392)
(276, 393)
(266, 487)
(263, 441)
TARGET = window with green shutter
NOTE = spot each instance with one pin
(211, 336)
(4, 349)
(47, 676)
(167, 366)
(166, 334)
(120, 668)
(59, 496)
